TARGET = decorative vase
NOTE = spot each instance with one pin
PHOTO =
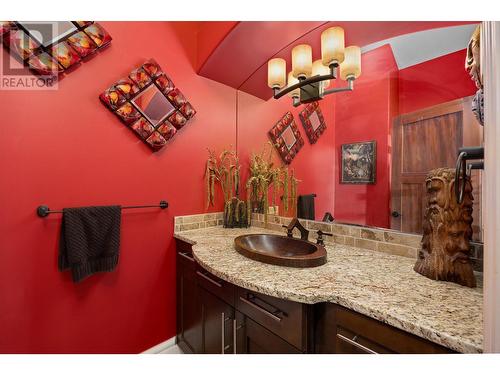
(235, 214)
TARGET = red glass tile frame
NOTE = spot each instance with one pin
(87, 38)
(305, 115)
(119, 97)
(276, 132)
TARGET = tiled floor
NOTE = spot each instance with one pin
(172, 350)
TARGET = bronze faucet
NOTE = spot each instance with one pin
(304, 233)
(295, 223)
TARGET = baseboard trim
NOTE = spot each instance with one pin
(162, 346)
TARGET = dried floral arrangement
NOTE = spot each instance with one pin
(264, 176)
(225, 170)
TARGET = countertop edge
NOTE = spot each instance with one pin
(185, 239)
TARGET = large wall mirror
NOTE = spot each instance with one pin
(411, 103)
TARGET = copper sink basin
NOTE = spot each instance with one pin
(280, 250)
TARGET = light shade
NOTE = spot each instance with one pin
(332, 46)
(318, 69)
(292, 81)
(302, 61)
(351, 67)
(276, 73)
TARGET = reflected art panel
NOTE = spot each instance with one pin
(359, 161)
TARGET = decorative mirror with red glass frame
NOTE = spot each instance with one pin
(148, 102)
(313, 121)
(50, 48)
(286, 138)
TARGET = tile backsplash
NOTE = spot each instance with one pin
(189, 222)
(386, 241)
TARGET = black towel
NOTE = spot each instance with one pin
(305, 207)
(90, 240)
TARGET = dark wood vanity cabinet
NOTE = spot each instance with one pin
(343, 331)
(217, 317)
(214, 315)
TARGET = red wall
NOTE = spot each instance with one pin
(365, 115)
(433, 82)
(313, 164)
(64, 148)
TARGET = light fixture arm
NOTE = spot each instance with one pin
(350, 87)
(277, 93)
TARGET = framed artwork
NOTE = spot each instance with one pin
(148, 102)
(51, 48)
(359, 161)
(286, 138)
(313, 121)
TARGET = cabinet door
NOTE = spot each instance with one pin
(189, 317)
(217, 323)
(252, 338)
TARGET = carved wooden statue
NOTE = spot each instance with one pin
(447, 231)
(473, 67)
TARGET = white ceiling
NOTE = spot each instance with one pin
(415, 48)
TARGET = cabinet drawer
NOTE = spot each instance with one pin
(348, 342)
(286, 319)
(183, 247)
(252, 338)
(220, 288)
(357, 333)
(185, 254)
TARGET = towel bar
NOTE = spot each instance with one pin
(44, 211)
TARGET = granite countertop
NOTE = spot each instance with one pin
(375, 284)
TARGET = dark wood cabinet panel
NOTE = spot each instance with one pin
(349, 342)
(343, 331)
(287, 319)
(189, 334)
(217, 324)
(183, 247)
(252, 338)
(222, 289)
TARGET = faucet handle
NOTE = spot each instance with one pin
(288, 231)
(320, 240)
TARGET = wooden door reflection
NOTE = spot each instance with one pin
(424, 140)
